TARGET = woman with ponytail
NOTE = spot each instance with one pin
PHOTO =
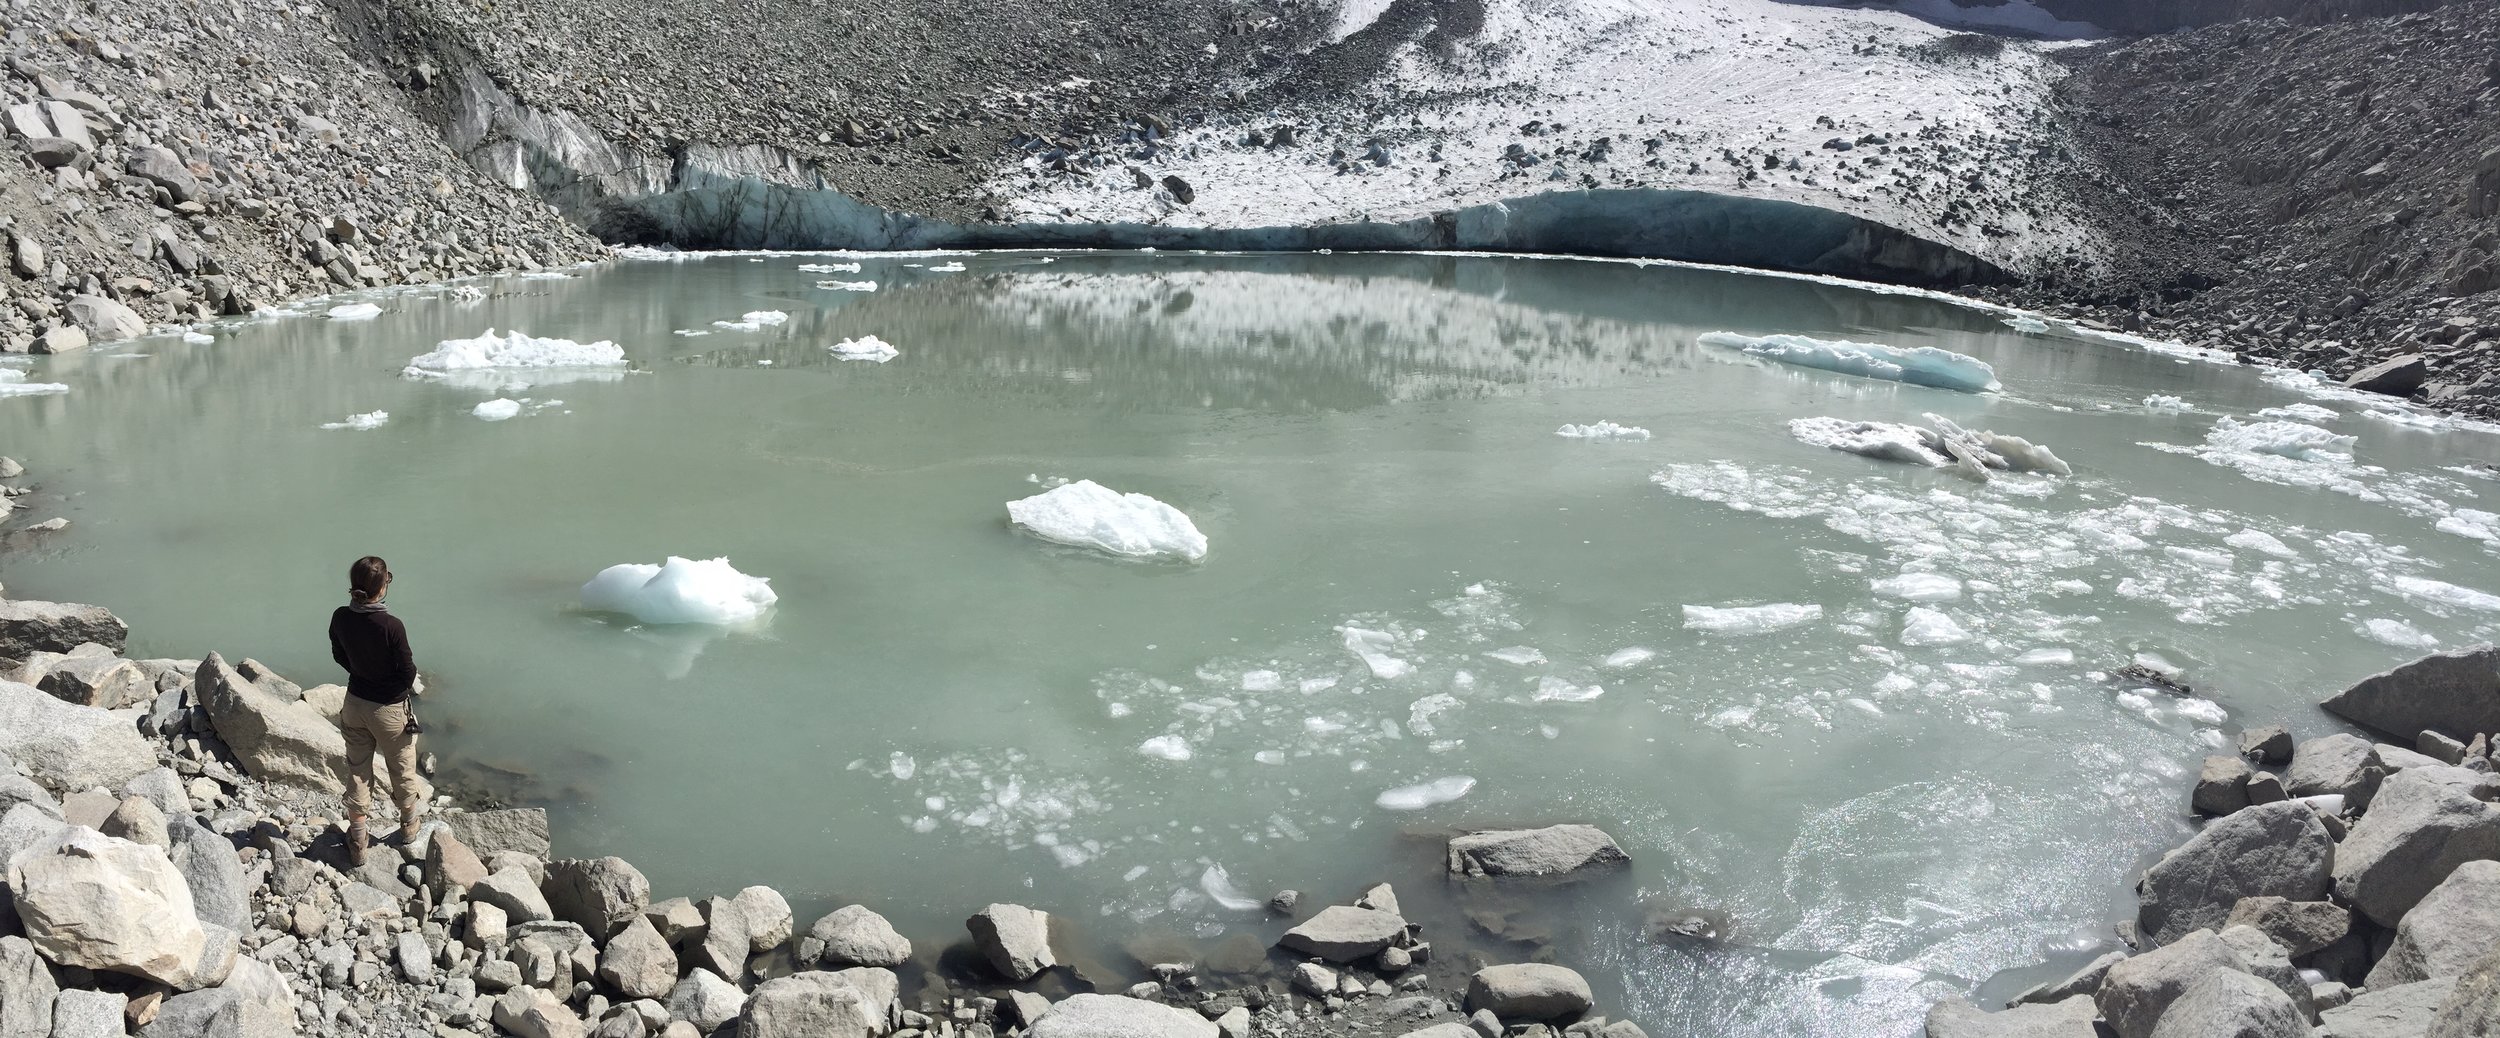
(372, 645)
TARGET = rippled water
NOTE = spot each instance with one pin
(942, 711)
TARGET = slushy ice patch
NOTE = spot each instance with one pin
(1087, 514)
(1915, 365)
(679, 591)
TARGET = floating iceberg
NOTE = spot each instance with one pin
(2440, 592)
(866, 347)
(847, 286)
(1970, 454)
(2301, 412)
(2171, 404)
(829, 268)
(1166, 747)
(1602, 430)
(1425, 794)
(1919, 587)
(13, 383)
(355, 312)
(190, 338)
(1924, 626)
(365, 422)
(1218, 884)
(1551, 689)
(1372, 647)
(497, 410)
(1761, 619)
(1089, 515)
(1917, 365)
(681, 591)
(2398, 633)
(492, 352)
(1631, 657)
(2282, 439)
(2028, 325)
(754, 320)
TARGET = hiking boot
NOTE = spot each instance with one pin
(356, 842)
(408, 827)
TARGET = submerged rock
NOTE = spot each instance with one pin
(2457, 693)
(1551, 851)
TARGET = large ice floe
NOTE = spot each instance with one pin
(13, 383)
(680, 591)
(866, 347)
(1087, 514)
(493, 360)
(1944, 445)
(1915, 365)
(1760, 619)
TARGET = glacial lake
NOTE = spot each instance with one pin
(943, 711)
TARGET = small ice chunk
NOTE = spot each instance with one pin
(1924, 626)
(1919, 587)
(946, 268)
(1519, 656)
(2261, 542)
(1551, 689)
(1262, 681)
(2462, 525)
(2283, 439)
(1761, 619)
(490, 351)
(1089, 515)
(901, 766)
(866, 347)
(355, 312)
(2301, 412)
(2172, 404)
(1883, 441)
(754, 320)
(847, 286)
(1622, 659)
(2398, 633)
(197, 338)
(1219, 887)
(829, 268)
(1372, 647)
(1420, 713)
(2027, 325)
(2201, 711)
(2443, 593)
(1918, 366)
(1166, 747)
(1425, 794)
(362, 422)
(1602, 430)
(13, 383)
(497, 410)
(2047, 658)
(679, 591)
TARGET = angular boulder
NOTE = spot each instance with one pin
(2456, 693)
(67, 746)
(813, 1004)
(254, 1001)
(212, 871)
(2225, 1004)
(28, 627)
(1015, 940)
(601, 894)
(2083, 981)
(2423, 824)
(2300, 927)
(2280, 850)
(638, 963)
(2341, 765)
(1341, 933)
(105, 320)
(2473, 1006)
(99, 681)
(2139, 990)
(2395, 376)
(87, 899)
(27, 988)
(2271, 744)
(450, 866)
(1550, 851)
(705, 1000)
(277, 740)
(89, 1014)
(162, 168)
(1115, 1016)
(2221, 786)
(522, 829)
(2457, 923)
(2070, 1017)
(513, 891)
(853, 935)
(533, 1013)
(2402, 1011)
(1529, 991)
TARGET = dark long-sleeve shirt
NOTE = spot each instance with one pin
(373, 647)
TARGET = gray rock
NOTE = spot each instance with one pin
(679, 921)
(531, 1013)
(28, 627)
(26, 825)
(275, 739)
(512, 891)
(2225, 1004)
(1529, 991)
(767, 915)
(2401, 1011)
(1451, 1029)
(2438, 747)
(2137, 992)
(638, 963)
(2070, 1017)
(813, 1004)
(2457, 923)
(2473, 1008)
(1015, 940)
(100, 681)
(213, 872)
(87, 899)
(450, 866)
(253, 1002)
(1027, 1006)
(855, 936)
(487, 833)
(2423, 824)
(2395, 376)
(66, 746)
(2266, 787)
(2300, 927)
(27, 990)
(415, 960)
(601, 894)
(2279, 850)
(138, 821)
(2339, 764)
(2271, 744)
(2081, 982)
(162, 787)
(1112, 1016)
(705, 1000)
(105, 320)
(163, 169)
(64, 338)
(1551, 851)
(2221, 786)
(1341, 933)
(1313, 979)
(88, 1014)
(2398, 758)
(2267, 961)
(2457, 693)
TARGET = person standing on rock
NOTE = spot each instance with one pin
(373, 647)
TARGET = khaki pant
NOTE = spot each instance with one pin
(372, 727)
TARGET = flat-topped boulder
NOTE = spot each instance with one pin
(522, 829)
(1117, 1016)
(67, 746)
(1529, 991)
(1343, 933)
(1551, 851)
(276, 739)
(2069, 1017)
(28, 627)
(2456, 693)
